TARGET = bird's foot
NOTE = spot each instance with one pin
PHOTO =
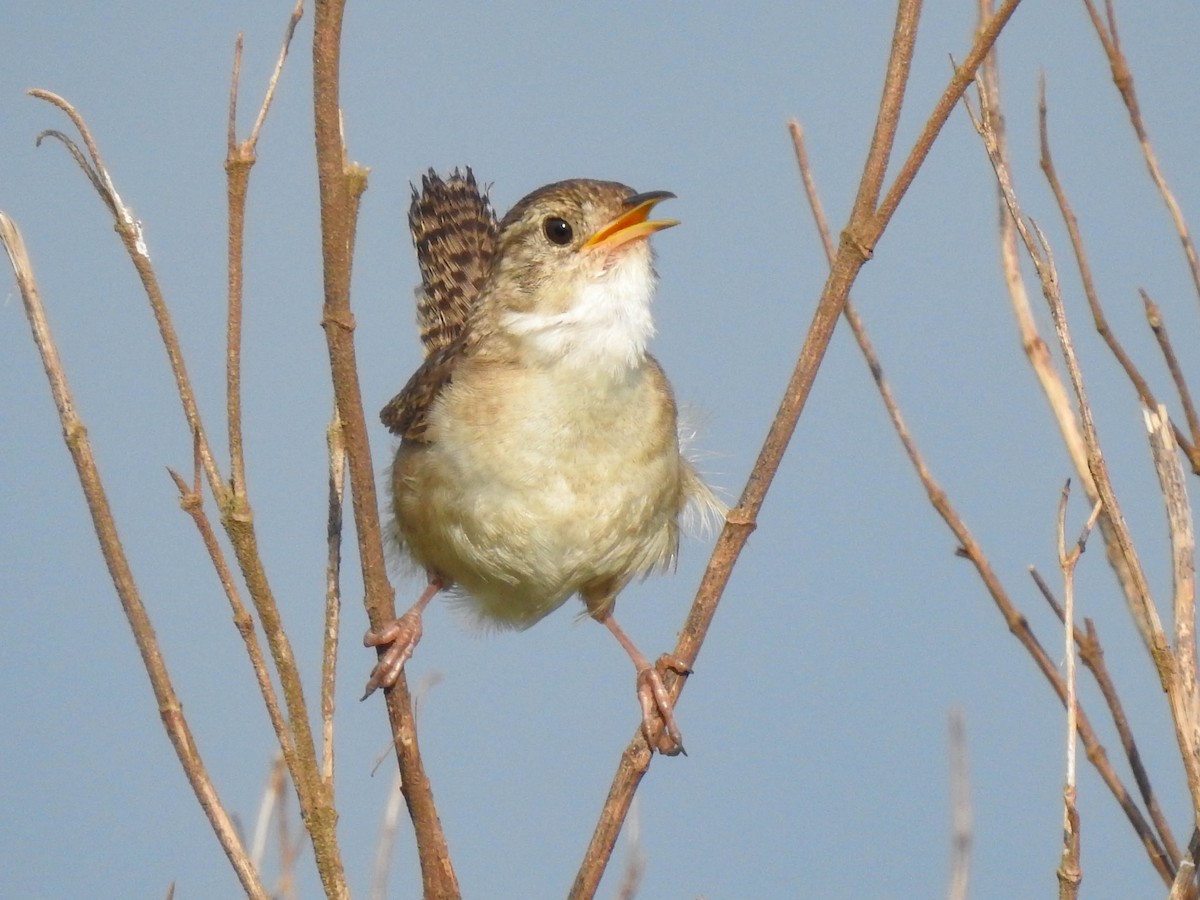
(401, 636)
(658, 709)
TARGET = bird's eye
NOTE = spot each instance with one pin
(558, 231)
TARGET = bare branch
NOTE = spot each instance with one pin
(970, 550)
(1069, 870)
(960, 803)
(1122, 75)
(169, 708)
(1159, 326)
(858, 239)
(191, 500)
(1085, 270)
(333, 591)
(1184, 691)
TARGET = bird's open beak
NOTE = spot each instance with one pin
(632, 224)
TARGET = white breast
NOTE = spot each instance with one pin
(607, 324)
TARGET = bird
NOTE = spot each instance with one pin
(540, 455)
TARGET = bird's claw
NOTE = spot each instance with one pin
(658, 709)
(401, 636)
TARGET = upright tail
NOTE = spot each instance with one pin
(454, 232)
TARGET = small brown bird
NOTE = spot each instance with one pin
(539, 454)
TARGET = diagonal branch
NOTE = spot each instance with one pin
(1145, 394)
(969, 549)
(866, 225)
(1122, 75)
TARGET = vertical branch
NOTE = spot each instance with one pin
(239, 159)
(960, 804)
(1091, 654)
(335, 181)
(1185, 696)
(1069, 869)
(75, 433)
(333, 591)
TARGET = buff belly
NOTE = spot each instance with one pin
(503, 503)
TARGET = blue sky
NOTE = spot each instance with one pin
(817, 719)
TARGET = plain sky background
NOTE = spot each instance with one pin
(817, 718)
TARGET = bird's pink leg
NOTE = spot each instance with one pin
(658, 712)
(401, 635)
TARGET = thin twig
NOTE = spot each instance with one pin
(1133, 576)
(129, 229)
(319, 817)
(1091, 654)
(239, 159)
(969, 549)
(1123, 79)
(1185, 699)
(1069, 871)
(1145, 394)
(169, 708)
(271, 798)
(389, 829)
(1070, 428)
(1118, 537)
(191, 500)
(1159, 326)
(960, 807)
(333, 591)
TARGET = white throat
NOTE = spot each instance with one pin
(606, 327)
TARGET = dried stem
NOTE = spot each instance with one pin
(1069, 869)
(1184, 885)
(337, 183)
(970, 550)
(300, 753)
(960, 803)
(989, 124)
(191, 500)
(1120, 544)
(1184, 692)
(1069, 872)
(866, 225)
(75, 433)
(1145, 394)
(1106, 31)
(1159, 327)
(333, 591)
(129, 229)
(239, 159)
(272, 798)
(1091, 654)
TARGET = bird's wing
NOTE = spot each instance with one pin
(406, 414)
(454, 231)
